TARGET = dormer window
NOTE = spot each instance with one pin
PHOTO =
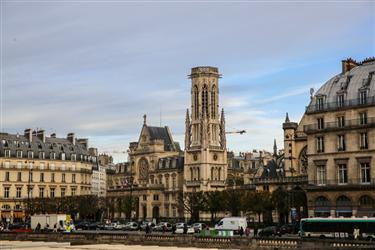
(7, 153)
(19, 154)
(30, 154)
(363, 97)
(319, 103)
(73, 157)
(62, 156)
(340, 100)
(42, 155)
(52, 156)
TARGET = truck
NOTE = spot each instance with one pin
(62, 222)
(231, 225)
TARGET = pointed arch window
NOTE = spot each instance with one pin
(213, 102)
(205, 101)
(196, 102)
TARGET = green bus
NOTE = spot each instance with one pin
(338, 228)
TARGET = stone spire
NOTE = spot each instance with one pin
(187, 130)
(274, 148)
(287, 118)
(223, 141)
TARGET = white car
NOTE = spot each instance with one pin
(180, 229)
(119, 226)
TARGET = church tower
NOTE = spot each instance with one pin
(205, 166)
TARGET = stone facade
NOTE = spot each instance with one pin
(334, 144)
(34, 165)
(205, 166)
(154, 174)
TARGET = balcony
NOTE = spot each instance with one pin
(352, 183)
(156, 186)
(333, 106)
(192, 183)
(282, 180)
(333, 126)
(217, 183)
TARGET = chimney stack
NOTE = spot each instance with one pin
(93, 151)
(28, 134)
(41, 135)
(72, 138)
(83, 142)
(348, 64)
(53, 135)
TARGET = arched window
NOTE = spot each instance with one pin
(322, 207)
(343, 206)
(219, 174)
(213, 102)
(196, 102)
(205, 101)
(366, 201)
(191, 174)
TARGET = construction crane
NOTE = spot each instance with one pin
(236, 132)
(114, 152)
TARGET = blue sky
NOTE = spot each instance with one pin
(95, 67)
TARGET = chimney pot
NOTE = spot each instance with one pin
(28, 134)
(72, 138)
(41, 135)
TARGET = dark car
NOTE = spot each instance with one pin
(269, 231)
(19, 227)
(288, 229)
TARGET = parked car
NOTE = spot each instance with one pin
(180, 229)
(269, 231)
(131, 226)
(159, 227)
(119, 226)
(20, 227)
(199, 227)
(110, 226)
(288, 229)
(144, 224)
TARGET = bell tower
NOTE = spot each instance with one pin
(205, 142)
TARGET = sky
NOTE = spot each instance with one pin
(95, 67)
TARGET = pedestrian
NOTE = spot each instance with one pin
(247, 231)
(38, 226)
(147, 228)
(164, 228)
(185, 228)
(55, 228)
(356, 233)
(241, 231)
(173, 228)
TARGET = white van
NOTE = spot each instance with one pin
(231, 223)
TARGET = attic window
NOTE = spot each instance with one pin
(363, 97)
(39, 145)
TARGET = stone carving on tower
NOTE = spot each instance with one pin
(205, 143)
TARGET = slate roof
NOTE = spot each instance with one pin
(358, 80)
(15, 142)
(161, 133)
(274, 169)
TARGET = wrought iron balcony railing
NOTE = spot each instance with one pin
(217, 183)
(192, 183)
(342, 183)
(347, 124)
(290, 179)
(331, 106)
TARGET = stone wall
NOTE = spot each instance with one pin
(189, 241)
